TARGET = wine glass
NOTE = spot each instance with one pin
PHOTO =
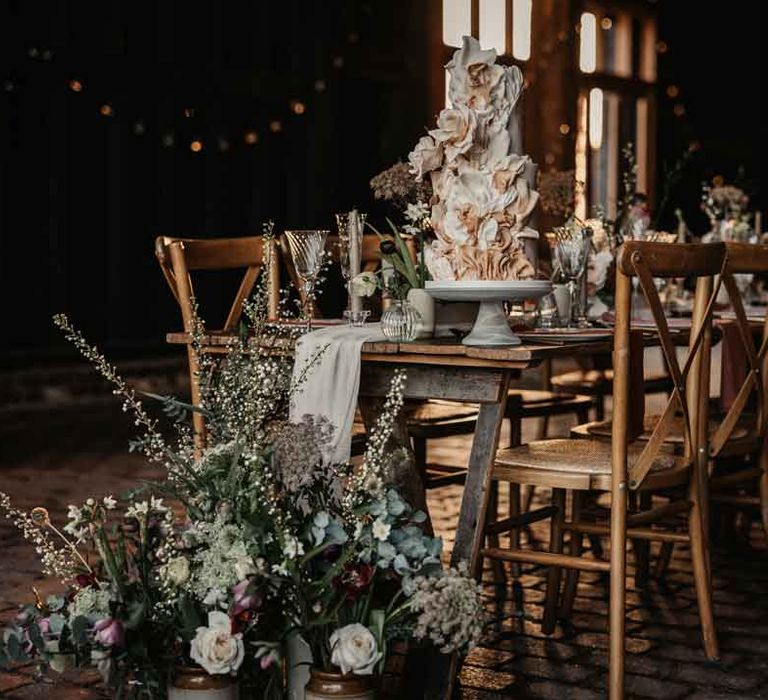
(307, 252)
(571, 257)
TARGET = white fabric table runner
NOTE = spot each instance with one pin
(329, 387)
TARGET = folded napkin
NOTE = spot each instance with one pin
(326, 377)
(733, 372)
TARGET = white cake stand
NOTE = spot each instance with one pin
(491, 327)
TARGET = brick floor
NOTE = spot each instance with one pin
(56, 458)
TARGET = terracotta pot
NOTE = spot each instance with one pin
(192, 683)
(323, 686)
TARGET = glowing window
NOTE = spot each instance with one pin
(595, 118)
(588, 43)
(457, 21)
(493, 25)
(521, 29)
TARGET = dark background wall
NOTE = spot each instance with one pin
(82, 195)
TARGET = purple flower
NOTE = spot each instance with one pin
(244, 598)
(109, 632)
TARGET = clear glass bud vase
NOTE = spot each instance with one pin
(400, 322)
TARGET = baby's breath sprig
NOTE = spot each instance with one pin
(153, 445)
(54, 560)
(372, 475)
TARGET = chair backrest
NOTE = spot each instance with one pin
(745, 258)
(690, 394)
(178, 257)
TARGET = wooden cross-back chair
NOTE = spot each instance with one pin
(179, 257)
(736, 433)
(624, 465)
(733, 489)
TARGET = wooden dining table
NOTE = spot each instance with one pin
(445, 369)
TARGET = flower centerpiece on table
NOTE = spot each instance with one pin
(727, 209)
(482, 190)
(245, 542)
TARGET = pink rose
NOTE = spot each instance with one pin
(109, 632)
(244, 598)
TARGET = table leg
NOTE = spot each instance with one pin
(469, 535)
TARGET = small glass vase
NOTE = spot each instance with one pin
(400, 322)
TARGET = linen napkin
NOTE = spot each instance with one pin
(733, 372)
(326, 377)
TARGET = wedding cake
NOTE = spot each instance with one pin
(482, 193)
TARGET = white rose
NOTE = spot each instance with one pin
(427, 156)
(364, 284)
(455, 131)
(177, 571)
(215, 648)
(354, 649)
(381, 529)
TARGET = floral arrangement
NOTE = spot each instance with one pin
(399, 273)
(246, 541)
(726, 206)
(482, 194)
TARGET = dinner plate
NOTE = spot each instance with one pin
(567, 335)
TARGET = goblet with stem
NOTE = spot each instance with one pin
(571, 257)
(307, 251)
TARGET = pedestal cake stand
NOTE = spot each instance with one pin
(491, 327)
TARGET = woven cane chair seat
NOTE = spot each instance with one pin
(581, 464)
(602, 429)
(600, 381)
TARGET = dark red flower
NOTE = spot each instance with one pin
(86, 581)
(354, 580)
(388, 247)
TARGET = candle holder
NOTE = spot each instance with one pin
(350, 231)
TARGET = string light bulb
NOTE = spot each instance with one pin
(565, 129)
(673, 91)
(196, 146)
(298, 107)
(189, 112)
(168, 140)
(251, 137)
(106, 110)
(275, 126)
(679, 109)
(75, 85)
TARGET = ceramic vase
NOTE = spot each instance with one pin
(420, 300)
(192, 683)
(334, 686)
